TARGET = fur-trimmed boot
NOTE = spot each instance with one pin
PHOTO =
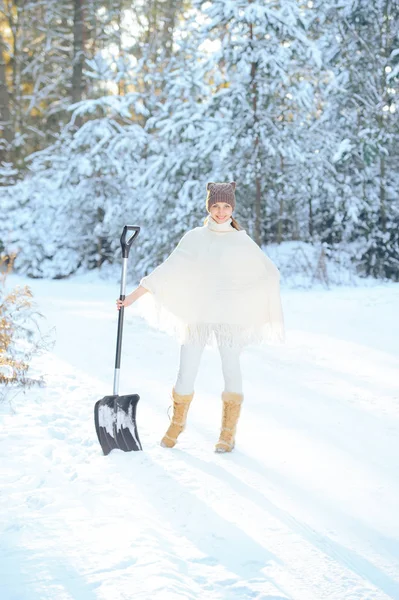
(181, 404)
(231, 412)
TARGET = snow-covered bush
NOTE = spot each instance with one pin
(303, 264)
(380, 252)
(71, 209)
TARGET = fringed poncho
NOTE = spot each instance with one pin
(217, 285)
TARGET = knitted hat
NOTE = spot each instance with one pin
(221, 192)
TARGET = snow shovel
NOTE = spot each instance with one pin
(115, 416)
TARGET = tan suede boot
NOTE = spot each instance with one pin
(181, 405)
(231, 412)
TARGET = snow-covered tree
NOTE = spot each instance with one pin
(362, 50)
(260, 98)
(74, 203)
(294, 101)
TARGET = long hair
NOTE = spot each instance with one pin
(234, 223)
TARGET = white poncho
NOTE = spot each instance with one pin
(216, 281)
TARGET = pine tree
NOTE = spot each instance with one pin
(76, 200)
(260, 101)
(364, 59)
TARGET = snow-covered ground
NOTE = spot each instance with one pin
(305, 508)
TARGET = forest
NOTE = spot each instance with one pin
(117, 111)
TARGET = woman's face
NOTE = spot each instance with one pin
(221, 211)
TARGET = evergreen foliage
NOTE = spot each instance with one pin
(295, 101)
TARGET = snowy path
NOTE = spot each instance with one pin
(306, 508)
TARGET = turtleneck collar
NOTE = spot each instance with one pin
(219, 227)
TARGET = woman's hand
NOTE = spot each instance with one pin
(125, 303)
(132, 297)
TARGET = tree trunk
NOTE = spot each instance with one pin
(310, 215)
(386, 44)
(281, 207)
(258, 216)
(257, 169)
(78, 54)
(383, 214)
(171, 9)
(15, 25)
(5, 115)
(121, 82)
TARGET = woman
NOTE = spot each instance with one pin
(217, 285)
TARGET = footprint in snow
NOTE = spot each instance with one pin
(57, 434)
(37, 501)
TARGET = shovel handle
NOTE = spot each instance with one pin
(126, 243)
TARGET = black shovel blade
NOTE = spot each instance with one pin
(115, 421)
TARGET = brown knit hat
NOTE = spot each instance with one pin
(221, 192)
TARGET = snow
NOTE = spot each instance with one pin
(344, 147)
(305, 508)
(107, 419)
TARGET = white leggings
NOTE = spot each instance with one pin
(190, 358)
